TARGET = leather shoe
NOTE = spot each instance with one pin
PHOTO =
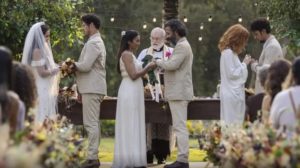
(161, 162)
(91, 164)
(177, 165)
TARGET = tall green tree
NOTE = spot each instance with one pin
(63, 17)
(170, 9)
(285, 18)
(133, 14)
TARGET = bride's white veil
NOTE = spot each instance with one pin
(36, 39)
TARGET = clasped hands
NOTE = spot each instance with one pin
(248, 60)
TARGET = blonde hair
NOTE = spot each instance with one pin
(234, 38)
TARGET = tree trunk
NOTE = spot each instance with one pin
(170, 10)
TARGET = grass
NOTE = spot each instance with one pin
(106, 150)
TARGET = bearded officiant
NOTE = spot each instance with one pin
(158, 134)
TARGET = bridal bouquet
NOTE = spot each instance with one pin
(67, 67)
(152, 78)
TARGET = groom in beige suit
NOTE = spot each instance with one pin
(178, 86)
(91, 82)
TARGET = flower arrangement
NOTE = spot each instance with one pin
(51, 144)
(255, 145)
(209, 140)
(67, 68)
(168, 54)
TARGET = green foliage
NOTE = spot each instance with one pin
(63, 17)
(285, 18)
(108, 128)
(132, 14)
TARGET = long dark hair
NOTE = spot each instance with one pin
(24, 84)
(5, 78)
(5, 67)
(296, 70)
(127, 36)
(277, 73)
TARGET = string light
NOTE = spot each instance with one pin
(255, 4)
(268, 18)
(240, 19)
(112, 19)
(145, 26)
(185, 19)
(201, 26)
(200, 38)
(154, 19)
(210, 18)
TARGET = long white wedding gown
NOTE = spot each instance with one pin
(47, 90)
(130, 136)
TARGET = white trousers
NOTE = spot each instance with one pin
(179, 117)
(91, 113)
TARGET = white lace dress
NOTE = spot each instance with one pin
(130, 136)
(47, 91)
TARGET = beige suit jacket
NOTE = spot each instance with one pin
(178, 72)
(91, 73)
(271, 52)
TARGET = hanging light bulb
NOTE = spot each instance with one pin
(145, 26)
(185, 19)
(154, 19)
(112, 19)
(200, 38)
(210, 18)
(240, 19)
(268, 18)
(255, 4)
(201, 26)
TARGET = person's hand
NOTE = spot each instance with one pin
(150, 66)
(247, 59)
(253, 61)
(55, 71)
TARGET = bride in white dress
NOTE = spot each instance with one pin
(130, 135)
(38, 54)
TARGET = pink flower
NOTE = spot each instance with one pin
(168, 54)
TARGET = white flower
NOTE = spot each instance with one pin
(123, 33)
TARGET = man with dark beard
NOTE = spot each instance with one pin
(271, 49)
(178, 87)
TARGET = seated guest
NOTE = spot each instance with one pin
(277, 74)
(285, 109)
(9, 101)
(253, 103)
(24, 84)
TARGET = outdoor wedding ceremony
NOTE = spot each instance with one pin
(149, 84)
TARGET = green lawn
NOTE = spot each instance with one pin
(107, 148)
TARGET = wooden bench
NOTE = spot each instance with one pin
(199, 109)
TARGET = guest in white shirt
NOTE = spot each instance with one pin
(233, 75)
(286, 105)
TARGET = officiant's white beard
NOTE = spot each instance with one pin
(157, 46)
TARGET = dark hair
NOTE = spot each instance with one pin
(5, 67)
(277, 74)
(91, 18)
(260, 24)
(5, 79)
(296, 70)
(128, 36)
(262, 75)
(24, 84)
(45, 28)
(177, 26)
